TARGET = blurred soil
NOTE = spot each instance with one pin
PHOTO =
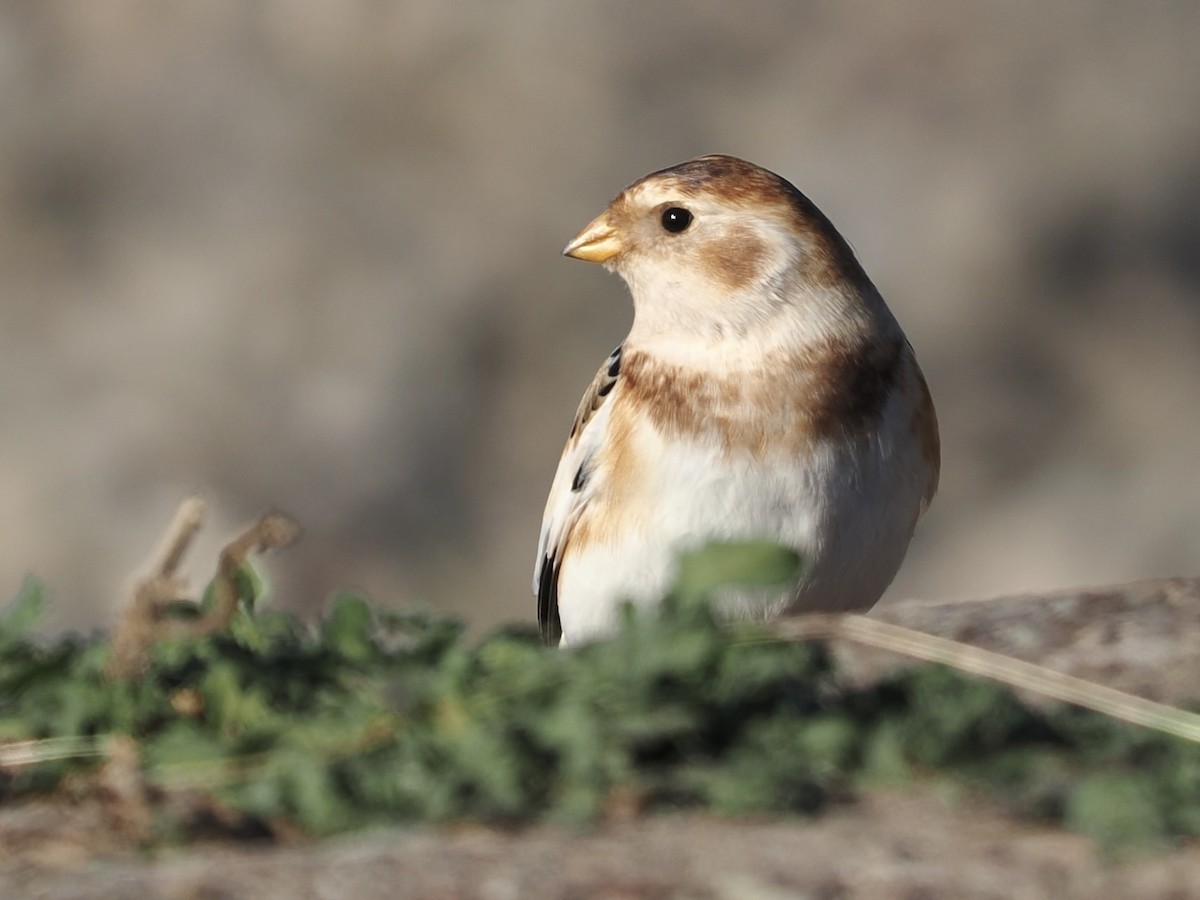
(926, 841)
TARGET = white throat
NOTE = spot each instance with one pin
(737, 330)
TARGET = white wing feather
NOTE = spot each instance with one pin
(571, 490)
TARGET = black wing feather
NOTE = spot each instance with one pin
(548, 617)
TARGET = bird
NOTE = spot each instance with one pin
(764, 392)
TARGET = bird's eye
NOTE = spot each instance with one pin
(675, 219)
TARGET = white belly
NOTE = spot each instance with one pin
(850, 514)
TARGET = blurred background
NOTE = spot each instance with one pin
(305, 254)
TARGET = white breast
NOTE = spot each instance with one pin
(848, 510)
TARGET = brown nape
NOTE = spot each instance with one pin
(830, 261)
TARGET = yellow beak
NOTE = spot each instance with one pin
(597, 243)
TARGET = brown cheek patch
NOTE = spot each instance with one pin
(735, 259)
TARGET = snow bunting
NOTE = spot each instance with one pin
(765, 391)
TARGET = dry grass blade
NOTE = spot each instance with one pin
(19, 754)
(975, 660)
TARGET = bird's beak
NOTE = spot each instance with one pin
(597, 243)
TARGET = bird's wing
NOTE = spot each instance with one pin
(571, 491)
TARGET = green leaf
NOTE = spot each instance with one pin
(25, 611)
(182, 753)
(349, 628)
(753, 564)
(1119, 810)
(396, 716)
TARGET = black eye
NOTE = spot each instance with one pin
(675, 219)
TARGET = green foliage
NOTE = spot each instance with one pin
(742, 563)
(372, 717)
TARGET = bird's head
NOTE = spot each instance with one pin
(717, 246)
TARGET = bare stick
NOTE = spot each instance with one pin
(183, 528)
(145, 618)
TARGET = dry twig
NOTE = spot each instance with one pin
(146, 619)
